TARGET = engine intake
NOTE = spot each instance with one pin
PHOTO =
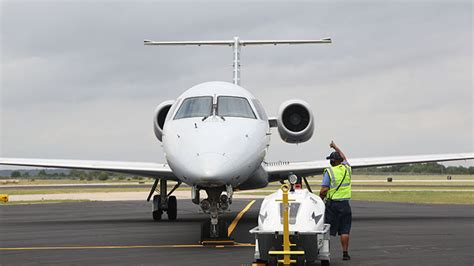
(295, 121)
(159, 119)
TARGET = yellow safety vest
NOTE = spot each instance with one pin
(336, 174)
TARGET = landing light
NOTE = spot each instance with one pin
(205, 205)
(293, 179)
(224, 206)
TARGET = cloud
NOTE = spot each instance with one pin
(78, 83)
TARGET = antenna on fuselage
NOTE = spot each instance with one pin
(236, 43)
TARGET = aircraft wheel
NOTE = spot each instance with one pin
(205, 229)
(222, 227)
(172, 208)
(157, 211)
(157, 215)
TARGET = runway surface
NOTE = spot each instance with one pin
(123, 233)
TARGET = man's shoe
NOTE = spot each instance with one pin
(345, 256)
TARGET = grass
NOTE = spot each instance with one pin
(410, 177)
(26, 202)
(407, 186)
(383, 178)
(69, 181)
(69, 190)
(424, 197)
(420, 197)
(398, 181)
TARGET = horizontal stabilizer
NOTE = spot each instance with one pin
(240, 42)
(198, 43)
(275, 42)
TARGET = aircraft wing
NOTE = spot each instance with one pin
(280, 170)
(154, 170)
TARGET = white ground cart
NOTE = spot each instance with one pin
(305, 229)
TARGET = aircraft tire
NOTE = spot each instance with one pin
(222, 228)
(157, 215)
(205, 228)
(158, 212)
(172, 208)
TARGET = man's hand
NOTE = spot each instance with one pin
(336, 148)
(323, 192)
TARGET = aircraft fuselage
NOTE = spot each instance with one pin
(219, 148)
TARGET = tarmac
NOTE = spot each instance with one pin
(123, 233)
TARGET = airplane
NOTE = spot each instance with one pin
(215, 137)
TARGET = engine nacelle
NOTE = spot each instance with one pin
(159, 118)
(295, 121)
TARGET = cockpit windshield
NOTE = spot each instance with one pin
(230, 106)
(195, 107)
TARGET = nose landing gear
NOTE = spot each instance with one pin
(216, 203)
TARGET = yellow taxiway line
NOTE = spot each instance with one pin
(238, 217)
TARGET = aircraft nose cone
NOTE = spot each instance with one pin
(209, 168)
(211, 164)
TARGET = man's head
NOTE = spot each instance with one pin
(335, 158)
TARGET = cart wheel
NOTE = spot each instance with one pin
(325, 263)
(272, 261)
(300, 261)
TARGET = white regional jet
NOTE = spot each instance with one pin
(215, 137)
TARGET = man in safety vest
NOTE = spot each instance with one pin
(336, 189)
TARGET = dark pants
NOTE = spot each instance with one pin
(339, 215)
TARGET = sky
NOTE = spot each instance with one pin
(78, 83)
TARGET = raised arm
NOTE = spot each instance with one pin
(336, 148)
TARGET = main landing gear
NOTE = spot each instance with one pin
(164, 202)
(215, 204)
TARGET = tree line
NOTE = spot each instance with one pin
(71, 174)
(420, 168)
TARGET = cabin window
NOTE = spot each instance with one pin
(195, 107)
(230, 106)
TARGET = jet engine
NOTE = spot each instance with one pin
(159, 118)
(295, 121)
